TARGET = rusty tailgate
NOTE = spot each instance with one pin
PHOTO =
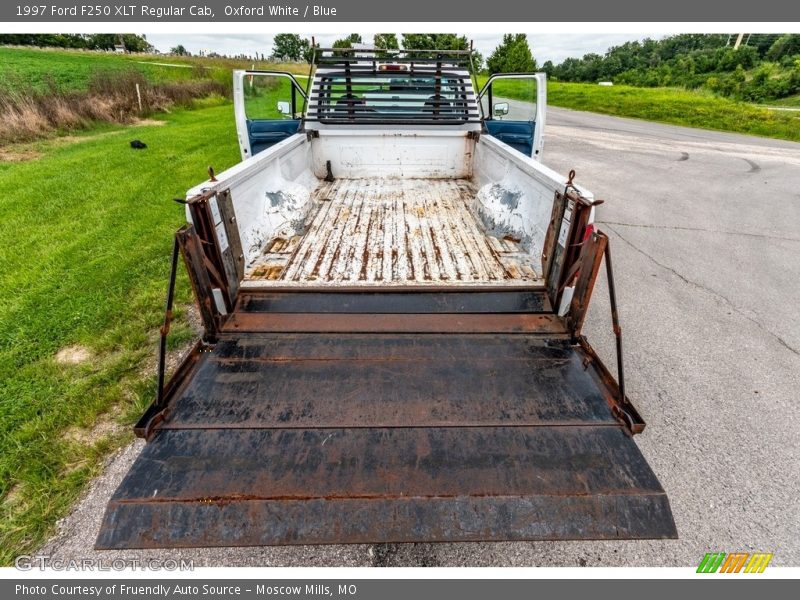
(311, 435)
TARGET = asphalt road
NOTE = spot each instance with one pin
(704, 233)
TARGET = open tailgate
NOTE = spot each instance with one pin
(388, 417)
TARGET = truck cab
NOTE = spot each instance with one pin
(389, 89)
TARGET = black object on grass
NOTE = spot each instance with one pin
(138, 145)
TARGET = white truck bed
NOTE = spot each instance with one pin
(386, 230)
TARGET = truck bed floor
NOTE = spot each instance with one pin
(393, 231)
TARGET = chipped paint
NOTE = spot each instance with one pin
(394, 231)
(417, 207)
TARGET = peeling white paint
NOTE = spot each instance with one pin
(406, 207)
(391, 231)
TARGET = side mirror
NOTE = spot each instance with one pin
(284, 108)
(500, 109)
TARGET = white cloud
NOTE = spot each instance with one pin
(555, 47)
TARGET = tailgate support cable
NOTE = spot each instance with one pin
(162, 349)
(612, 298)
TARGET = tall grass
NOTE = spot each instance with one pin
(28, 113)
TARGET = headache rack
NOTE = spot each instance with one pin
(392, 87)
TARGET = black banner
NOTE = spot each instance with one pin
(368, 589)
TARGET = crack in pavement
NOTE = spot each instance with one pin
(700, 286)
(702, 230)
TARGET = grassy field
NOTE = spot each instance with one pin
(788, 102)
(666, 105)
(73, 69)
(261, 98)
(679, 107)
(85, 243)
(47, 93)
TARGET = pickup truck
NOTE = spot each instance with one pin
(392, 288)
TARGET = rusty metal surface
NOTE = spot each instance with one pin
(621, 406)
(274, 486)
(195, 261)
(241, 322)
(390, 381)
(393, 231)
(564, 241)
(589, 265)
(217, 257)
(397, 302)
(433, 426)
(181, 378)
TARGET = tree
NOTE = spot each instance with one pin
(289, 47)
(785, 45)
(107, 41)
(440, 41)
(513, 55)
(136, 43)
(102, 41)
(697, 60)
(179, 50)
(93, 41)
(435, 41)
(385, 41)
(353, 38)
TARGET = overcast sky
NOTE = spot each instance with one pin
(555, 47)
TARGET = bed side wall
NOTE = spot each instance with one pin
(515, 194)
(271, 193)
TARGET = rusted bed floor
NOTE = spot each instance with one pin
(393, 231)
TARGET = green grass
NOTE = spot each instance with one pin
(85, 243)
(223, 64)
(788, 102)
(679, 107)
(667, 105)
(261, 99)
(72, 70)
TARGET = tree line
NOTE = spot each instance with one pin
(512, 55)
(765, 66)
(83, 41)
(292, 47)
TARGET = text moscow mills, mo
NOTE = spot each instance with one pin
(191, 591)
